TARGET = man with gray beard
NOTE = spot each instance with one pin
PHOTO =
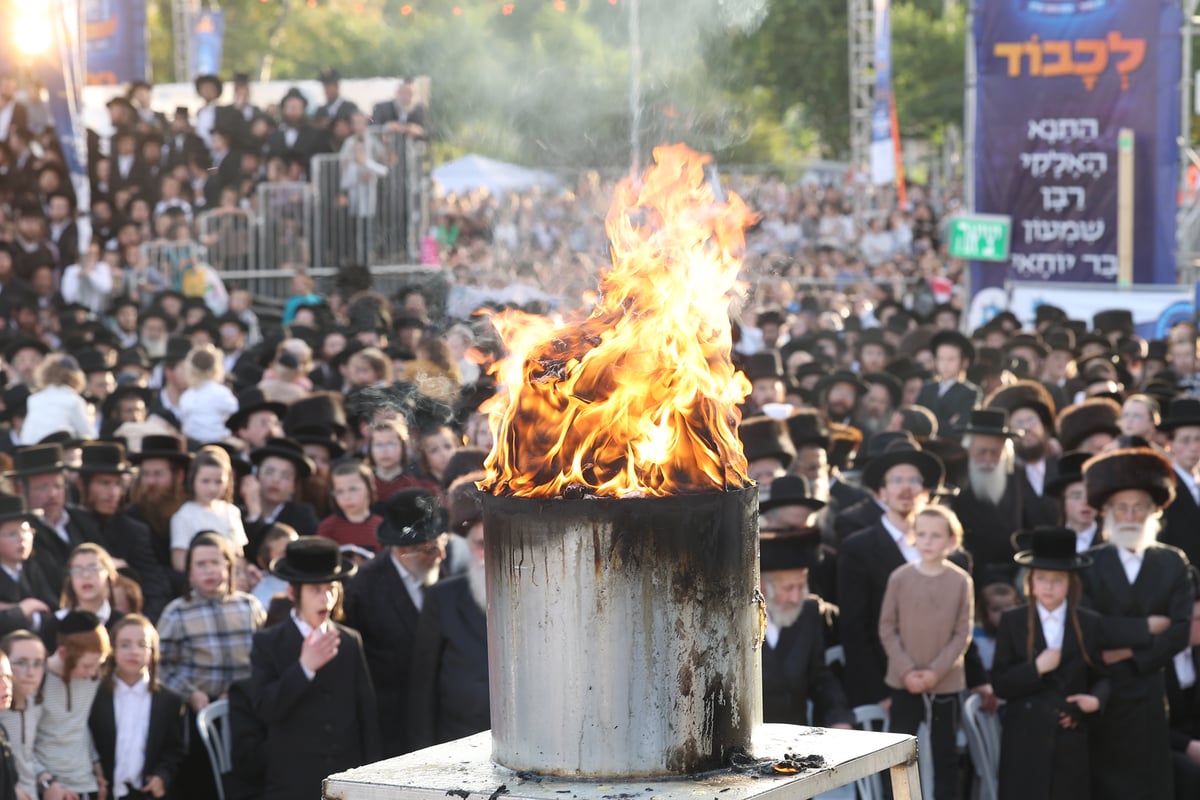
(448, 681)
(793, 656)
(993, 504)
(1141, 587)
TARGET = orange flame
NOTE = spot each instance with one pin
(641, 398)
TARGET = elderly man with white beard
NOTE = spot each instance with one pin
(1142, 589)
(994, 504)
(793, 658)
(448, 681)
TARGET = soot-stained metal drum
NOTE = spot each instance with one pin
(623, 634)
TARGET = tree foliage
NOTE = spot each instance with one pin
(751, 80)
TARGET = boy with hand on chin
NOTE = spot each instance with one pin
(309, 679)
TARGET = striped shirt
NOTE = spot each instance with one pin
(63, 736)
(205, 642)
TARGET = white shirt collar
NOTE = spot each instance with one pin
(411, 582)
(1053, 624)
(141, 687)
(909, 551)
(1083, 538)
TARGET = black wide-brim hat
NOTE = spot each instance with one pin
(313, 559)
(171, 448)
(321, 409)
(806, 428)
(410, 517)
(13, 507)
(103, 458)
(987, 422)
(25, 342)
(841, 376)
(1182, 412)
(252, 401)
(213, 79)
(287, 449)
(956, 339)
(933, 472)
(1130, 468)
(320, 435)
(789, 552)
(1049, 548)
(790, 490)
(766, 437)
(1070, 470)
(38, 459)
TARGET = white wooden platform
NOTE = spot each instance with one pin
(464, 769)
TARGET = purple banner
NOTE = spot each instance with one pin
(1057, 80)
(116, 41)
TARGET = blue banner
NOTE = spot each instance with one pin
(883, 144)
(1057, 80)
(115, 32)
(208, 38)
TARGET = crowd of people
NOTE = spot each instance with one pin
(199, 505)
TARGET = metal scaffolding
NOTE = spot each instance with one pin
(862, 84)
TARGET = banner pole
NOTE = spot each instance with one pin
(1125, 207)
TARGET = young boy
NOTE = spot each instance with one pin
(26, 597)
(925, 627)
(310, 683)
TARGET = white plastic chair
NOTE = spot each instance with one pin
(870, 718)
(213, 725)
(983, 742)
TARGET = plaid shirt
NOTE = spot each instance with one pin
(205, 642)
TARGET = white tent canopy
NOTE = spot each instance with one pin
(474, 172)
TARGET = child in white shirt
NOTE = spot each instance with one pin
(207, 403)
(209, 506)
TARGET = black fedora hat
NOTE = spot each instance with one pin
(889, 382)
(789, 552)
(1070, 470)
(12, 506)
(287, 449)
(410, 517)
(313, 559)
(320, 435)
(1182, 412)
(38, 459)
(766, 437)
(92, 360)
(1049, 548)
(954, 339)
(933, 472)
(763, 365)
(322, 409)
(251, 401)
(790, 490)
(109, 406)
(171, 448)
(841, 376)
(103, 458)
(806, 428)
(23, 343)
(987, 422)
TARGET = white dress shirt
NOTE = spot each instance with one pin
(1188, 480)
(1185, 669)
(773, 631)
(1036, 473)
(910, 552)
(1083, 538)
(1132, 562)
(131, 709)
(416, 590)
(1053, 624)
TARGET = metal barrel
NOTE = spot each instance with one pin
(623, 634)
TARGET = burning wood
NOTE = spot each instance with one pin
(641, 398)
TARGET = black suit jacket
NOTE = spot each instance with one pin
(314, 727)
(130, 540)
(387, 112)
(1131, 753)
(1036, 753)
(954, 407)
(794, 672)
(51, 552)
(309, 142)
(988, 529)
(164, 740)
(68, 245)
(852, 519)
(865, 561)
(300, 516)
(32, 583)
(1184, 705)
(449, 673)
(1181, 523)
(183, 148)
(378, 607)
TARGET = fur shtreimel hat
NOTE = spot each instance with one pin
(1025, 394)
(1132, 468)
(1094, 415)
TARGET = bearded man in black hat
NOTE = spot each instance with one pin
(39, 476)
(449, 678)
(994, 503)
(793, 658)
(384, 602)
(1142, 589)
(791, 509)
(309, 679)
(102, 473)
(951, 397)
(158, 490)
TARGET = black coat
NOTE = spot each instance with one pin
(130, 540)
(856, 517)
(164, 740)
(794, 672)
(1131, 745)
(1181, 523)
(954, 407)
(300, 516)
(448, 677)
(988, 528)
(378, 607)
(248, 736)
(32, 584)
(1184, 705)
(865, 562)
(314, 728)
(51, 552)
(309, 142)
(1039, 760)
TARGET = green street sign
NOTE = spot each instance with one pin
(980, 237)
